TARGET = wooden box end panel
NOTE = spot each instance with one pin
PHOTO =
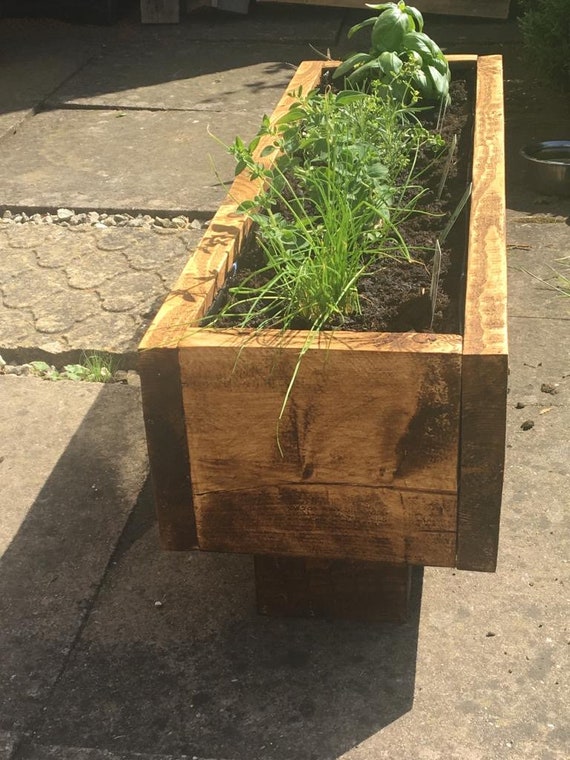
(483, 438)
(363, 464)
(167, 447)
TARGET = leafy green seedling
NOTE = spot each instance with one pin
(95, 368)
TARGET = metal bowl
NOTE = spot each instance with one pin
(548, 166)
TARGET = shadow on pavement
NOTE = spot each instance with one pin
(77, 11)
(109, 643)
(201, 674)
(51, 570)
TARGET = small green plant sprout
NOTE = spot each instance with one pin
(401, 56)
(94, 368)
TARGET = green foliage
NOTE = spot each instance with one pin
(343, 178)
(545, 27)
(401, 56)
(333, 201)
(95, 368)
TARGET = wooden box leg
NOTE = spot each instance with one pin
(308, 587)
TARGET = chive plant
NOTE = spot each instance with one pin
(345, 176)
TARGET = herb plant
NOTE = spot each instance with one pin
(344, 175)
(344, 179)
(401, 55)
(95, 368)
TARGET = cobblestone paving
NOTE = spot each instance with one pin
(83, 287)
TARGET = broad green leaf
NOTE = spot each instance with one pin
(40, 366)
(362, 25)
(417, 17)
(350, 64)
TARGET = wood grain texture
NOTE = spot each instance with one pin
(167, 447)
(339, 589)
(485, 330)
(476, 8)
(331, 521)
(365, 409)
(485, 366)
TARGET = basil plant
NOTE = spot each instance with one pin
(401, 55)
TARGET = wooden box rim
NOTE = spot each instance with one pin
(485, 329)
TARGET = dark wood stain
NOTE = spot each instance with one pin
(167, 447)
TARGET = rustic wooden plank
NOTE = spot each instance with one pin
(167, 447)
(206, 270)
(160, 11)
(403, 394)
(476, 8)
(485, 329)
(330, 522)
(303, 587)
(484, 386)
(483, 421)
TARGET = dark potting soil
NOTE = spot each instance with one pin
(394, 294)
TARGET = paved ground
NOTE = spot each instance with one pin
(113, 650)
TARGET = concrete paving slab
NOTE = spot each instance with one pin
(133, 160)
(166, 73)
(176, 660)
(539, 355)
(37, 56)
(8, 743)
(272, 23)
(72, 465)
(202, 676)
(32, 751)
(178, 663)
(537, 244)
(69, 290)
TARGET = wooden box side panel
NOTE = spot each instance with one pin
(483, 424)
(485, 367)
(485, 330)
(382, 417)
(366, 463)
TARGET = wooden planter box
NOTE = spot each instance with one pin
(393, 444)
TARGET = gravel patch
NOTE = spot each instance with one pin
(66, 217)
